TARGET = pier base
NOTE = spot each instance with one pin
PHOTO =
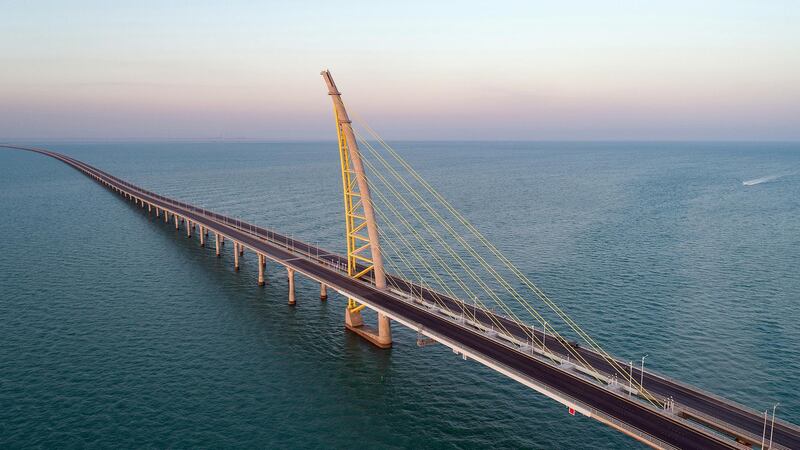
(235, 255)
(189, 228)
(381, 338)
(202, 237)
(216, 239)
(323, 292)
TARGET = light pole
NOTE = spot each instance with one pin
(641, 375)
(772, 427)
(630, 379)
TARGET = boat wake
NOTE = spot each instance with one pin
(761, 180)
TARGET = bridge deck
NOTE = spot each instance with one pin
(538, 370)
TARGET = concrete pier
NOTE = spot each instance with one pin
(323, 292)
(384, 331)
(382, 337)
(291, 285)
(261, 269)
(177, 224)
(188, 228)
(216, 239)
(235, 255)
(202, 237)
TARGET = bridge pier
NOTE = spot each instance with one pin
(235, 255)
(291, 285)
(382, 337)
(149, 208)
(216, 239)
(188, 228)
(202, 237)
(222, 240)
(241, 250)
(261, 264)
(323, 292)
(177, 224)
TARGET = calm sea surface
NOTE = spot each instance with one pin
(116, 331)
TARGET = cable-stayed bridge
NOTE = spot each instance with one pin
(414, 259)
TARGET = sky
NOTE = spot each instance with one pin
(413, 70)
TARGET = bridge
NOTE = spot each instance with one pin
(652, 408)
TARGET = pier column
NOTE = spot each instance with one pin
(188, 228)
(235, 255)
(216, 238)
(291, 285)
(241, 250)
(384, 331)
(202, 237)
(177, 224)
(260, 269)
(323, 292)
(222, 240)
(149, 208)
(166, 217)
(157, 211)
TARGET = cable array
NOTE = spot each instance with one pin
(444, 252)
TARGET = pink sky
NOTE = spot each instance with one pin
(414, 71)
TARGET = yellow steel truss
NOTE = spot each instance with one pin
(355, 223)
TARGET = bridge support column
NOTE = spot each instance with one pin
(177, 224)
(149, 208)
(188, 228)
(157, 211)
(323, 292)
(291, 285)
(235, 255)
(241, 250)
(260, 269)
(382, 337)
(384, 331)
(202, 237)
(222, 240)
(216, 238)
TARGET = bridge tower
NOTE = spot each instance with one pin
(363, 251)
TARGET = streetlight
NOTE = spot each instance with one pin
(630, 379)
(641, 378)
(772, 427)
